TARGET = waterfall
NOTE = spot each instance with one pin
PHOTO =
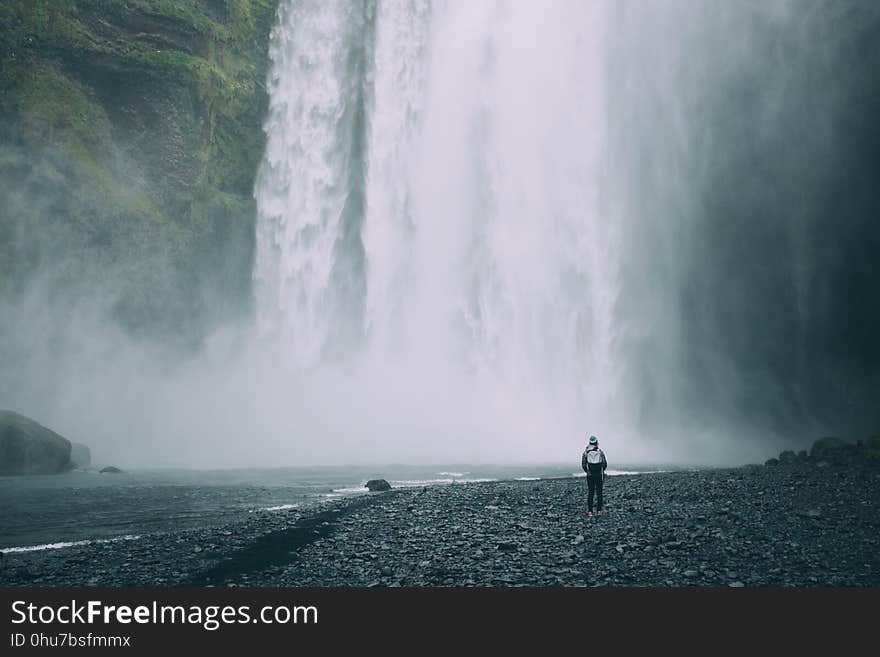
(517, 220)
(431, 197)
(309, 184)
(485, 230)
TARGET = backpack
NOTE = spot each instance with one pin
(594, 460)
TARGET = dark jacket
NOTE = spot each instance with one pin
(585, 465)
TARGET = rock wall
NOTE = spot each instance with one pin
(130, 135)
(27, 447)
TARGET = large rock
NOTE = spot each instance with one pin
(378, 485)
(830, 449)
(787, 457)
(80, 455)
(841, 452)
(110, 469)
(27, 447)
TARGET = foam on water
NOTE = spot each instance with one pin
(280, 507)
(66, 544)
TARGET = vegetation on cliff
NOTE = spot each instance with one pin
(27, 447)
(130, 135)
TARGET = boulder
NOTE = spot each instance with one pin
(771, 462)
(841, 452)
(378, 485)
(27, 447)
(80, 455)
(110, 470)
(787, 457)
(833, 450)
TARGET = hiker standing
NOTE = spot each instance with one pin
(593, 463)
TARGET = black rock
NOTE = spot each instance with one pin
(841, 452)
(787, 457)
(834, 450)
(378, 485)
(110, 470)
(771, 462)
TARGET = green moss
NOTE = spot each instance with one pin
(130, 135)
(73, 122)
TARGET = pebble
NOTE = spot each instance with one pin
(455, 536)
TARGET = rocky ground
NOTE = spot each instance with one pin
(789, 525)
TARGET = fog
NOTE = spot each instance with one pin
(486, 231)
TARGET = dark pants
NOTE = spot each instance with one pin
(594, 486)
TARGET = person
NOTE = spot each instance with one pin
(594, 463)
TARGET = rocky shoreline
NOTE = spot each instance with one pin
(798, 524)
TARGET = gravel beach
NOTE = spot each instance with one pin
(789, 525)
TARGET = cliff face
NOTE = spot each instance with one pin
(27, 447)
(130, 135)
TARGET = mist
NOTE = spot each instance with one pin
(486, 231)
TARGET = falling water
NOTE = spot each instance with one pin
(431, 199)
(509, 220)
(488, 229)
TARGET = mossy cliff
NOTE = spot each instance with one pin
(27, 447)
(130, 135)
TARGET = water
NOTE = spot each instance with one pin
(489, 229)
(430, 230)
(56, 511)
(503, 222)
